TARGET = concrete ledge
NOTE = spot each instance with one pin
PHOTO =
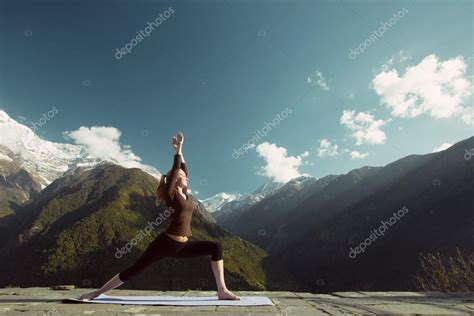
(46, 302)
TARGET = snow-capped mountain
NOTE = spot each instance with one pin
(215, 202)
(4, 157)
(47, 159)
(239, 205)
(298, 183)
(268, 188)
(227, 202)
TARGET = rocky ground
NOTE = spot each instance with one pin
(47, 302)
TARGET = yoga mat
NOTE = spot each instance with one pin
(175, 300)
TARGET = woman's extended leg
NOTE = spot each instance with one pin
(111, 284)
(157, 249)
(195, 248)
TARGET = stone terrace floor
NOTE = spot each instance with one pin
(46, 302)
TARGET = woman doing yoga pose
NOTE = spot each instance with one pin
(174, 241)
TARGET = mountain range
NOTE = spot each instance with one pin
(226, 202)
(313, 231)
(64, 214)
(72, 231)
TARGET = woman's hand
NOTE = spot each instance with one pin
(177, 142)
(180, 137)
(174, 142)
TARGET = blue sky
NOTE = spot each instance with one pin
(218, 70)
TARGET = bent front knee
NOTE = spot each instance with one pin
(217, 251)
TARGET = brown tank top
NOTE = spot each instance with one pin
(181, 208)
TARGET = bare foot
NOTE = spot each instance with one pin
(88, 296)
(227, 295)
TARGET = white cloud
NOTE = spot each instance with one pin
(327, 149)
(103, 142)
(318, 79)
(357, 155)
(366, 129)
(437, 88)
(396, 60)
(467, 115)
(442, 147)
(279, 166)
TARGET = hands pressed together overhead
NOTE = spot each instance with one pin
(177, 141)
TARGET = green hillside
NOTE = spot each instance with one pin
(76, 225)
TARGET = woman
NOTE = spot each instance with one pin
(174, 241)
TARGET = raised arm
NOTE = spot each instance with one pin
(171, 179)
(183, 166)
(178, 163)
(179, 140)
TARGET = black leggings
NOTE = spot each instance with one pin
(165, 246)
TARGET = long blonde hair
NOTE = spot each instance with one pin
(161, 191)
